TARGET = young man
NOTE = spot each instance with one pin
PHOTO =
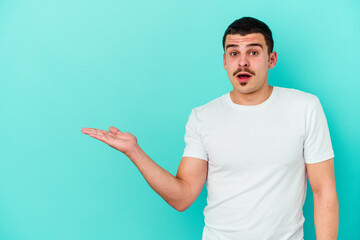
(254, 146)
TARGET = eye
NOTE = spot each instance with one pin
(233, 53)
(254, 53)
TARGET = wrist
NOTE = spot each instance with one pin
(133, 152)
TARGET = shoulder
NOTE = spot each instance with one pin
(296, 97)
(211, 106)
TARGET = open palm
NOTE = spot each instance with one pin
(122, 141)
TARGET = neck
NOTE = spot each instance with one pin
(252, 98)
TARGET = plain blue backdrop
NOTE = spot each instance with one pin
(142, 66)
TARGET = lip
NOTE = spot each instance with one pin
(243, 73)
(245, 79)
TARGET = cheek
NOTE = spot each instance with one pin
(261, 65)
(229, 72)
(259, 61)
(230, 63)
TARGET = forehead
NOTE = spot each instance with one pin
(237, 39)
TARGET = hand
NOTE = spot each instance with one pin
(124, 142)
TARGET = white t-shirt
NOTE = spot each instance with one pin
(256, 157)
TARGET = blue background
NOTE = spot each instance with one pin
(142, 66)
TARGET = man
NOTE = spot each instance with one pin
(254, 148)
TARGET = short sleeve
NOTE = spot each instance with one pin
(317, 144)
(194, 147)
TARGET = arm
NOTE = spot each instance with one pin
(326, 206)
(180, 191)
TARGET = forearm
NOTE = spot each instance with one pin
(173, 190)
(326, 216)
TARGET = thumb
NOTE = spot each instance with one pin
(114, 130)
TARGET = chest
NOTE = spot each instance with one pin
(253, 141)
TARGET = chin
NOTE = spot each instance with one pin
(247, 89)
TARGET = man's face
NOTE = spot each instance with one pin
(248, 55)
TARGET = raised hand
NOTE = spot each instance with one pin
(125, 142)
(180, 192)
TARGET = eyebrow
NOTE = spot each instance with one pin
(249, 45)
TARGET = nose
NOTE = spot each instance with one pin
(243, 61)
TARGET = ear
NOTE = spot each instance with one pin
(224, 61)
(273, 59)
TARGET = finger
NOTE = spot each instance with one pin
(113, 135)
(93, 130)
(100, 137)
(88, 130)
(114, 130)
(84, 130)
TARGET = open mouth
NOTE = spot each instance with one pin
(243, 76)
